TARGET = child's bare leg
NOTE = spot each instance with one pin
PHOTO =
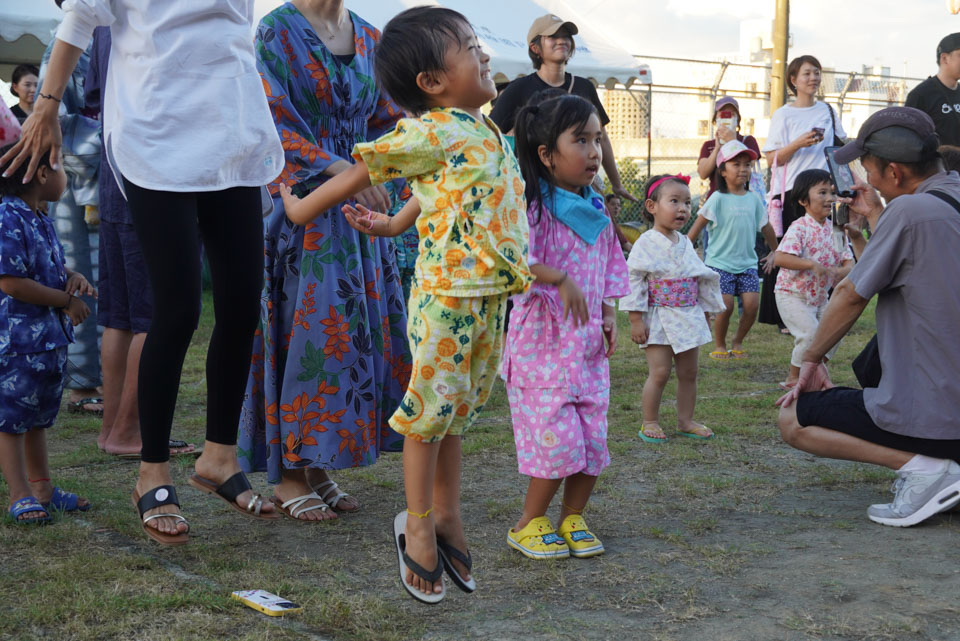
(446, 499)
(751, 303)
(419, 477)
(37, 466)
(576, 492)
(793, 376)
(722, 323)
(14, 468)
(687, 368)
(539, 494)
(660, 364)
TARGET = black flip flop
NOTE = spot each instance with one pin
(406, 563)
(449, 553)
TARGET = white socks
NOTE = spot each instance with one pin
(923, 465)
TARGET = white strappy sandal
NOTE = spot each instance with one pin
(294, 507)
(330, 487)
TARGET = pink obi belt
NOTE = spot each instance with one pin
(673, 292)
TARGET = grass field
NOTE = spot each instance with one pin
(736, 538)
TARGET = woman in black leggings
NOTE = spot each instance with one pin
(187, 126)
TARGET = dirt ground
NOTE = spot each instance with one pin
(739, 538)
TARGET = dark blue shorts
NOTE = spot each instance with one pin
(125, 298)
(736, 284)
(31, 388)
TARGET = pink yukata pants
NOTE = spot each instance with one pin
(557, 434)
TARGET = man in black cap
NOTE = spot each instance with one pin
(939, 95)
(907, 423)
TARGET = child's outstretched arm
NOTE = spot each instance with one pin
(341, 187)
(30, 291)
(376, 224)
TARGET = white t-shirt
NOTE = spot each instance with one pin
(184, 108)
(789, 123)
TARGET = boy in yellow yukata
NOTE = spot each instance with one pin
(473, 255)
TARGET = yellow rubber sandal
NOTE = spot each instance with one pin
(719, 355)
(538, 540)
(582, 542)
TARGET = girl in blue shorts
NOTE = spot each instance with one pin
(733, 216)
(38, 309)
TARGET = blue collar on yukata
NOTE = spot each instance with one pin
(584, 215)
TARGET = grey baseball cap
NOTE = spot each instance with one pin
(898, 134)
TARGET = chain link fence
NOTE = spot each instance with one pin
(660, 128)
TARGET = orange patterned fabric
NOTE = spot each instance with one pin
(473, 225)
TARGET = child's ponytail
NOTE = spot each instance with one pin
(541, 123)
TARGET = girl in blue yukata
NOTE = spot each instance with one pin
(39, 306)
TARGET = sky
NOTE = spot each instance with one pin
(842, 34)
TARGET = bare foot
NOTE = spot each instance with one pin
(422, 547)
(451, 531)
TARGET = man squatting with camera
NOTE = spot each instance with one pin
(907, 423)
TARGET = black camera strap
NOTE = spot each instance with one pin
(947, 198)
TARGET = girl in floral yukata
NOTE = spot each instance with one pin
(671, 289)
(472, 256)
(811, 263)
(555, 363)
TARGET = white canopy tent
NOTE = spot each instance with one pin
(502, 28)
(26, 26)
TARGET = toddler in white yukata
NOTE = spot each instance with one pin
(671, 290)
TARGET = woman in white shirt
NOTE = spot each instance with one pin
(190, 138)
(799, 132)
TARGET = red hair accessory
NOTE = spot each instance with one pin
(684, 179)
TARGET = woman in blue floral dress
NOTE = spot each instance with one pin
(330, 361)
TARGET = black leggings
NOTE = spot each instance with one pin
(170, 226)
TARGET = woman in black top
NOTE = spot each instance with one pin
(551, 45)
(24, 87)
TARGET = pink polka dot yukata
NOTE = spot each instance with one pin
(557, 375)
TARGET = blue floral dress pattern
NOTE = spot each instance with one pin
(331, 361)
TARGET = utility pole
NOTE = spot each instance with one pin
(778, 74)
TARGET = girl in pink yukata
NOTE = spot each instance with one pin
(671, 289)
(555, 362)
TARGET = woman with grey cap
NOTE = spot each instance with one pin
(907, 421)
(550, 47)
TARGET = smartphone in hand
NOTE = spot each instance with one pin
(841, 175)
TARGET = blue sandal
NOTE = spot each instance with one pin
(65, 502)
(25, 505)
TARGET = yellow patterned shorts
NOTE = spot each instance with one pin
(456, 345)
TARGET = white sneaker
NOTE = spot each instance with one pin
(919, 496)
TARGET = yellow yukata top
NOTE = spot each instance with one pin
(473, 224)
